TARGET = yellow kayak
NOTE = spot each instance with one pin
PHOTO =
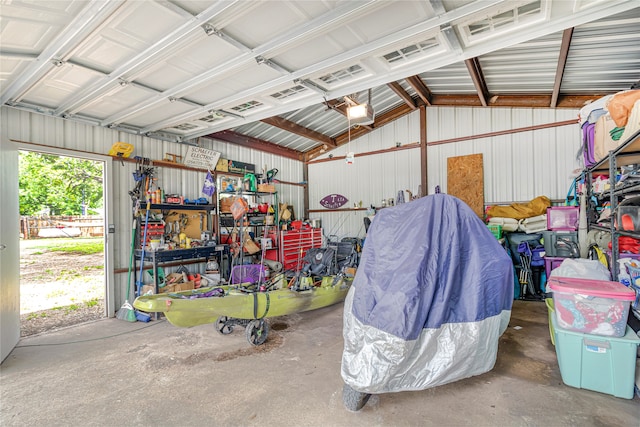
(207, 305)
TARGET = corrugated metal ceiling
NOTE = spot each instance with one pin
(275, 74)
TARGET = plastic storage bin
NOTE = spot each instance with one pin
(551, 263)
(628, 214)
(596, 307)
(496, 230)
(561, 244)
(562, 218)
(603, 364)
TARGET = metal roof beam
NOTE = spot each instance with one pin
(350, 55)
(395, 86)
(421, 89)
(562, 62)
(302, 131)
(473, 65)
(255, 144)
(194, 24)
(309, 28)
(92, 16)
(530, 100)
(21, 56)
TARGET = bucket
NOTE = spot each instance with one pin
(551, 309)
(316, 223)
(142, 317)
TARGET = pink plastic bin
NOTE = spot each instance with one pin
(597, 307)
(562, 218)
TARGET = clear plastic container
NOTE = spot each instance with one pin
(595, 307)
(562, 218)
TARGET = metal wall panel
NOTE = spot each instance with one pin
(517, 167)
(369, 179)
(69, 135)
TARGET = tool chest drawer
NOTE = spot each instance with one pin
(293, 246)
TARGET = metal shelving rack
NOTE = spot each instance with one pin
(226, 220)
(627, 153)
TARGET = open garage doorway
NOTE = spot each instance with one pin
(62, 241)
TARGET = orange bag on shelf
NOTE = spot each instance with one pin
(239, 207)
(621, 104)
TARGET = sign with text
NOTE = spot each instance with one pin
(201, 158)
(333, 201)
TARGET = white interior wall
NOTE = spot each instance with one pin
(77, 138)
(517, 167)
(369, 179)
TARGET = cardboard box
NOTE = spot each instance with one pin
(222, 165)
(148, 290)
(266, 188)
(185, 286)
(266, 243)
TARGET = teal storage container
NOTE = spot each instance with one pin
(598, 363)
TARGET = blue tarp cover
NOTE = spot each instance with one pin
(428, 265)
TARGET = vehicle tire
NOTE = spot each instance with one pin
(354, 400)
(257, 331)
(222, 326)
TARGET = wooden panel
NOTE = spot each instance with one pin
(465, 180)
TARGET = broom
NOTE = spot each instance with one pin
(126, 311)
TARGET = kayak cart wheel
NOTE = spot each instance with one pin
(257, 331)
(223, 325)
(354, 400)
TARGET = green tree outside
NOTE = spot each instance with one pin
(63, 185)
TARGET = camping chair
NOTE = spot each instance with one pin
(248, 273)
(526, 277)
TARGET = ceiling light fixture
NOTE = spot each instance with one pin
(360, 113)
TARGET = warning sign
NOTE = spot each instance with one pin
(201, 158)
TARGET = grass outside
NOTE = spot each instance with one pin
(84, 246)
(61, 272)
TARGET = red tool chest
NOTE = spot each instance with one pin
(293, 246)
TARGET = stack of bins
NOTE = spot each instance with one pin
(561, 237)
(596, 349)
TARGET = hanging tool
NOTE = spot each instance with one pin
(140, 281)
(271, 174)
(251, 180)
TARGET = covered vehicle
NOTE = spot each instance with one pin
(431, 297)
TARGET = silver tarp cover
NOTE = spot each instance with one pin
(431, 297)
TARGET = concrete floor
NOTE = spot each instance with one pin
(116, 373)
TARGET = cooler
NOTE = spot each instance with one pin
(561, 244)
(603, 364)
(596, 307)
